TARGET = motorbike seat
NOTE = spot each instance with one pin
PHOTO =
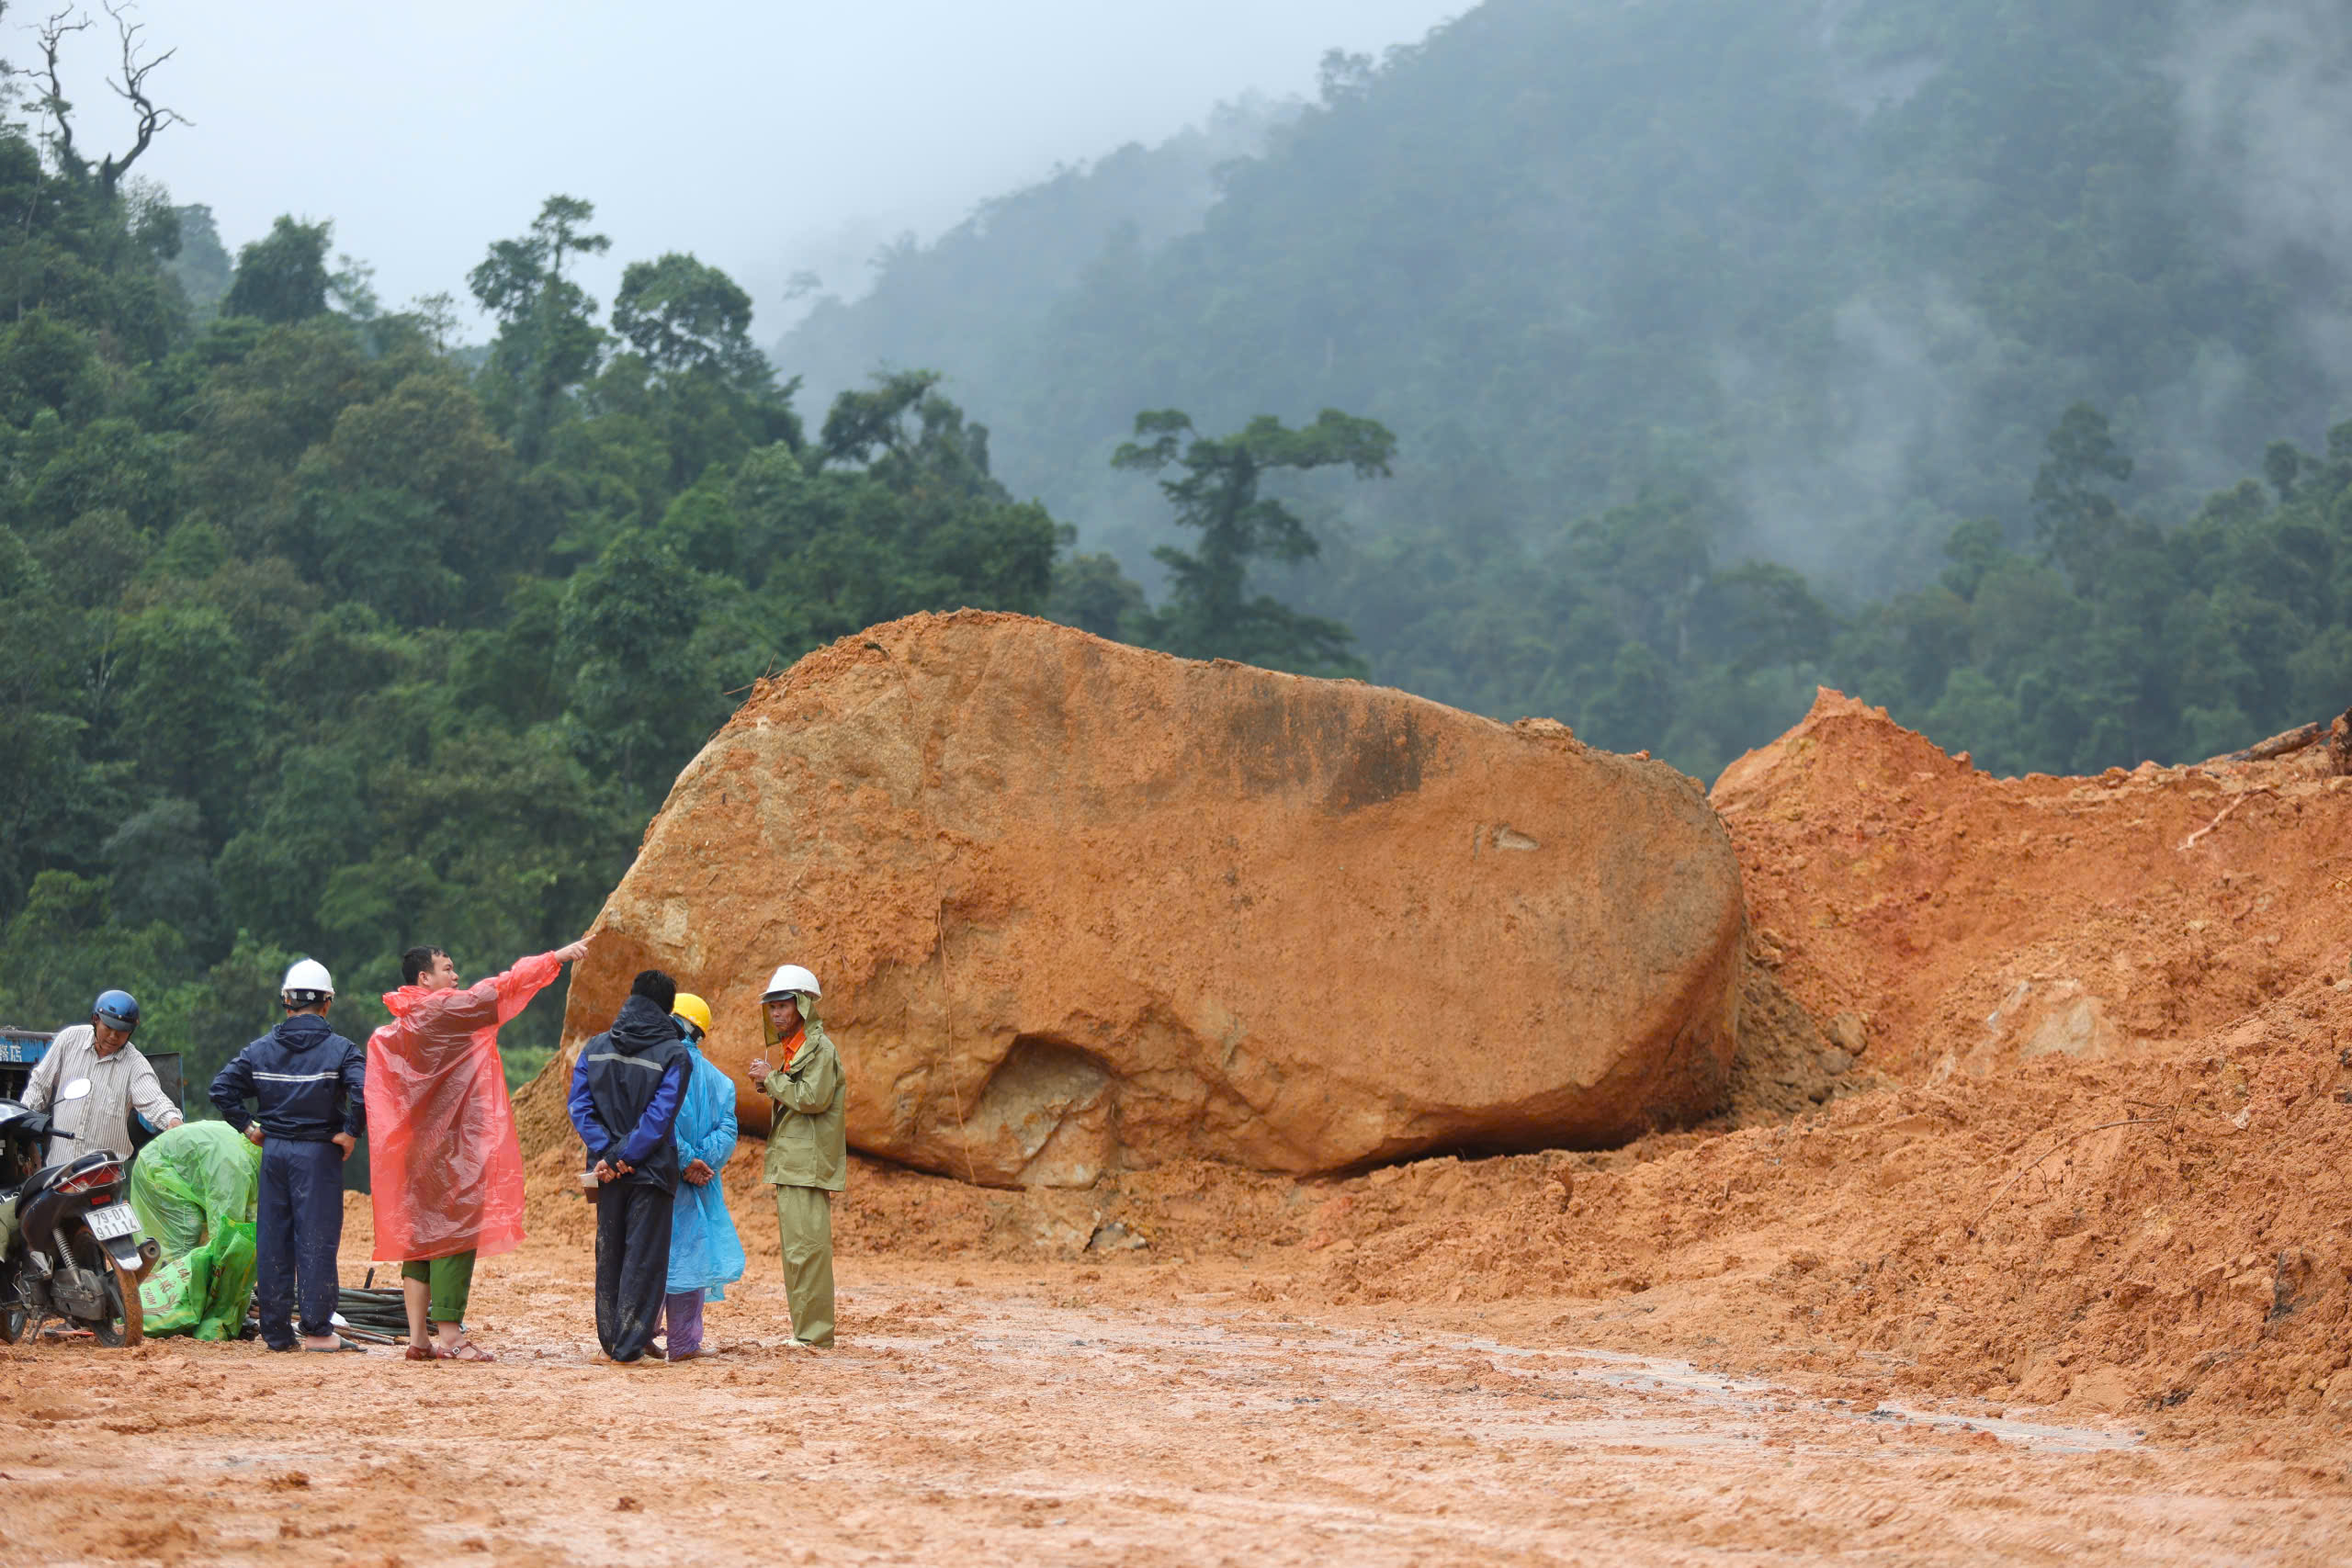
(41, 1181)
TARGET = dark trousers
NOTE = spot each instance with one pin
(298, 1226)
(632, 1265)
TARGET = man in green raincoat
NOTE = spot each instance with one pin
(194, 1188)
(807, 1147)
(192, 1181)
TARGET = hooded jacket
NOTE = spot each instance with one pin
(626, 1091)
(309, 1082)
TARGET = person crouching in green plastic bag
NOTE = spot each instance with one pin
(194, 1188)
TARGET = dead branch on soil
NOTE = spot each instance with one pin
(2336, 733)
(2063, 1143)
(2280, 745)
(2191, 842)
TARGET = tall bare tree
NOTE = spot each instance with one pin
(128, 83)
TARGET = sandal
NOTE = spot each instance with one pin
(421, 1353)
(467, 1350)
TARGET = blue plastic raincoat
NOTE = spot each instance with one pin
(704, 1252)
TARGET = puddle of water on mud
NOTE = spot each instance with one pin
(1633, 1372)
(1249, 1354)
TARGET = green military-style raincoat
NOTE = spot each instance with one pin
(808, 1145)
(807, 1163)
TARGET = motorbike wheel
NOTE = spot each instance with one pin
(123, 1323)
(126, 1322)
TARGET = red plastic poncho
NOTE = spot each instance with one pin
(444, 1163)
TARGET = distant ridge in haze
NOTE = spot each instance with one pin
(1841, 261)
(981, 294)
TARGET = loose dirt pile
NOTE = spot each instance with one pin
(1991, 972)
(1967, 923)
(1086, 908)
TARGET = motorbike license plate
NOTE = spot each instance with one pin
(113, 1220)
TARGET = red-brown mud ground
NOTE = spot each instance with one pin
(2027, 1238)
(1126, 1412)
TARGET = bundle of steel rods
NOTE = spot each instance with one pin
(375, 1318)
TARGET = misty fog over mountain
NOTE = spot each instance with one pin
(1862, 256)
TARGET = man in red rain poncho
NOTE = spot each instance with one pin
(445, 1165)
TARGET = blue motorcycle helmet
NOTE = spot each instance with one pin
(117, 1009)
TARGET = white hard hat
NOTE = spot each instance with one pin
(790, 977)
(308, 974)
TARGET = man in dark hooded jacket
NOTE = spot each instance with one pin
(626, 1091)
(310, 1085)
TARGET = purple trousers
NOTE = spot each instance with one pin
(682, 1313)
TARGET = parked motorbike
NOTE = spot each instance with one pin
(76, 1252)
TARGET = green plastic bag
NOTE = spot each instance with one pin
(231, 1290)
(206, 1291)
(172, 1298)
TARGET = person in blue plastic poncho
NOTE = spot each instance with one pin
(706, 1255)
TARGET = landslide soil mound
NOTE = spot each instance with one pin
(2096, 1043)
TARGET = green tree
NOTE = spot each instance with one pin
(2080, 522)
(282, 277)
(684, 315)
(690, 374)
(639, 703)
(1092, 593)
(191, 709)
(548, 338)
(1210, 612)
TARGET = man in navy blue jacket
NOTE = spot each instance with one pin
(626, 1091)
(310, 1087)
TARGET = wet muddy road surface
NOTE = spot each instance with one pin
(981, 1413)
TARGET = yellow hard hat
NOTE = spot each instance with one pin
(693, 1009)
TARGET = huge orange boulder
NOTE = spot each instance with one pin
(1080, 908)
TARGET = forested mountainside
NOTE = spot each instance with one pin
(1649, 291)
(1635, 366)
(321, 640)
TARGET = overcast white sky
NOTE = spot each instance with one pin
(753, 135)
